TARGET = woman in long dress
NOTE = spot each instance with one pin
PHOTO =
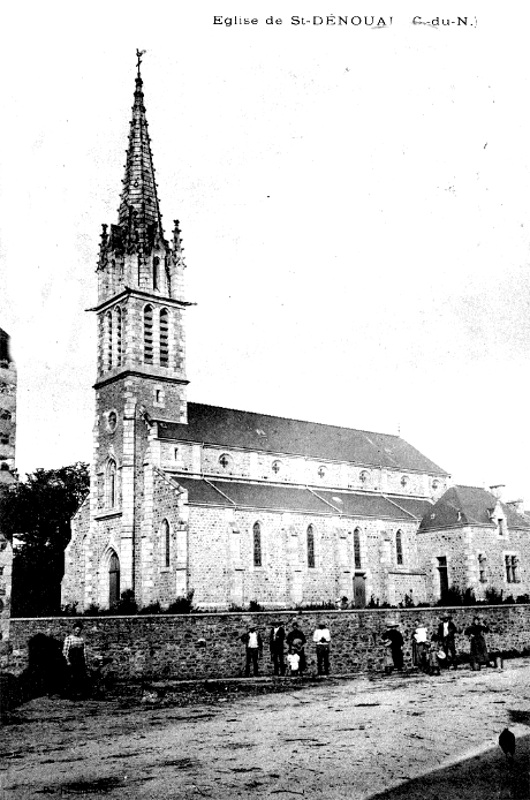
(478, 650)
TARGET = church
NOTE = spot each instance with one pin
(236, 507)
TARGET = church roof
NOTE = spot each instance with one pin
(274, 497)
(227, 427)
(469, 505)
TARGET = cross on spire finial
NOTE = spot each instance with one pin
(139, 54)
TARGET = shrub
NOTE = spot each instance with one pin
(493, 596)
(182, 605)
(127, 604)
(152, 608)
(255, 606)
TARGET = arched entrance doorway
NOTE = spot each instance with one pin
(114, 580)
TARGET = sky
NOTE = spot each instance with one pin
(354, 204)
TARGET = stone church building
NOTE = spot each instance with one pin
(239, 506)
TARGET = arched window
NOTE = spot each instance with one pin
(108, 340)
(110, 484)
(164, 337)
(119, 355)
(156, 272)
(357, 548)
(310, 547)
(256, 542)
(114, 580)
(165, 543)
(399, 547)
(148, 334)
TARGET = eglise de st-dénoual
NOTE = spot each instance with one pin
(239, 506)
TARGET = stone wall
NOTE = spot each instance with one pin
(208, 645)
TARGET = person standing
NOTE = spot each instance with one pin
(322, 639)
(446, 639)
(478, 651)
(296, 640)
(277, 642)
(421, 647)
(253, 650)
(393, 640)
(74, 654)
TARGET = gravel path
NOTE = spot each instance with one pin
(417, 737)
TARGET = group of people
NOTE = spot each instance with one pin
(287, 649)
(431, 652)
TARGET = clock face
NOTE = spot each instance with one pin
(112, 420)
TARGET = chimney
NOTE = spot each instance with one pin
(496, 490)
(517, 506)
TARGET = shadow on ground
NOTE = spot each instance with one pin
(489, 776)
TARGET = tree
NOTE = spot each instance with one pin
(38, 512)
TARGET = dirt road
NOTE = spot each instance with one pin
(395, 738)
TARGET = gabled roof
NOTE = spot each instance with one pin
(469, 506)
(245, 429)
(274, 497)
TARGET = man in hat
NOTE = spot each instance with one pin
(446, 639)
(276, 640)
(322, 640)
(393, 639)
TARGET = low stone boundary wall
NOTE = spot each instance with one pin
(208, 645)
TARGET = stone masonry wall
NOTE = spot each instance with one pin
(208, 645)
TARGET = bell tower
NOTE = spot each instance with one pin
(141, 372)
(140, 285)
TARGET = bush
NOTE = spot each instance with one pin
(182, 605)
(152, 608)
(127, 604)
(493, 597)
(325, 605)
(255, 606)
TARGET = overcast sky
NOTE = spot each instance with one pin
(355, 207)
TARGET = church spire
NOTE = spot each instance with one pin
(139, 206)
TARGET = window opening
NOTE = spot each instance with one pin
(310, 547)
(148, 335)
(357, 548)
(256, 535)
(164, 338)
(399, 548)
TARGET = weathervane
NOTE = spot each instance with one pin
(139, 54)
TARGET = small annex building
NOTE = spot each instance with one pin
(235, 506)
(471, 540)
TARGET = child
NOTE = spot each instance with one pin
(434, 661)
(293, 662)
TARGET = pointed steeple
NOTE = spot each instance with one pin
(139, 206)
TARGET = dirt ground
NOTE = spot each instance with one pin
(414, 737)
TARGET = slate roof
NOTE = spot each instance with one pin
(245, 429)
(276, 497)
(474, 505)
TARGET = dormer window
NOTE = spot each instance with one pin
(501, 525)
